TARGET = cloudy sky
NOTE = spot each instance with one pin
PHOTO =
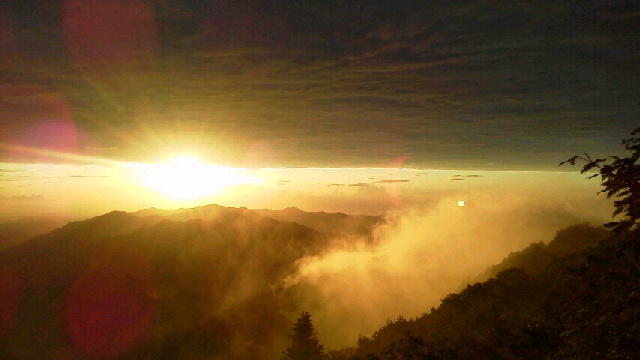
(488, 85)
(427, 85)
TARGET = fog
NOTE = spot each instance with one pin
(424, 253)
(253, 275)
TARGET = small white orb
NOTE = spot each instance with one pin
(460, 203)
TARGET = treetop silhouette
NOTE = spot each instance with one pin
(620, 178)
(304, 341)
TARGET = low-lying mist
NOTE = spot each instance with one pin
(422, 254)
(233, 280)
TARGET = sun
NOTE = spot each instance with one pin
(186, 178)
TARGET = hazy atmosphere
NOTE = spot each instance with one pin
(232, 164)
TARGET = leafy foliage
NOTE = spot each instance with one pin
(620, 178)
(305, 344)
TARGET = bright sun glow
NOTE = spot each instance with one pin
(187, 178)
(460, 203)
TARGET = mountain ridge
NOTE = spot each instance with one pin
(188, 268)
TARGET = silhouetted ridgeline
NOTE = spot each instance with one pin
(156, 284)
(328, 223)
(13, 232)
(571, 299)
(536, 257)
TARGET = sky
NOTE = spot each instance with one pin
(282, 88)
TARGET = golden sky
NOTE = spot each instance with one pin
(78, 191)
(320, 101)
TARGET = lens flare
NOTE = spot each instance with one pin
(186, 178)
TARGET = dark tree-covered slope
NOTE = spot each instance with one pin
(536, 257)
(583, 305)
(566, 300)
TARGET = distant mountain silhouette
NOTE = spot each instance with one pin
(329, 223)
(15, 231)
(204, 280)
(58, 255)
(206, 212)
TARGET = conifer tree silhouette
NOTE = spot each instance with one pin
(304, 341)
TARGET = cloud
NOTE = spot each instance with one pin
(102, 148)
(464, 177)
(32, 197)
(419, 256)
(88, 176)
(391, 181)
(359, 184)
(10, 171)
(434, 83)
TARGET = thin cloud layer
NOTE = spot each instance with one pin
(32, 197)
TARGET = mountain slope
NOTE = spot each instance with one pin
(13, 232)
(585, 304)
(537, 256)
(328, 223)
(200, 286)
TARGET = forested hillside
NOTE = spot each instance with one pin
(583, 305)
(576, 298)
(536, 257)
